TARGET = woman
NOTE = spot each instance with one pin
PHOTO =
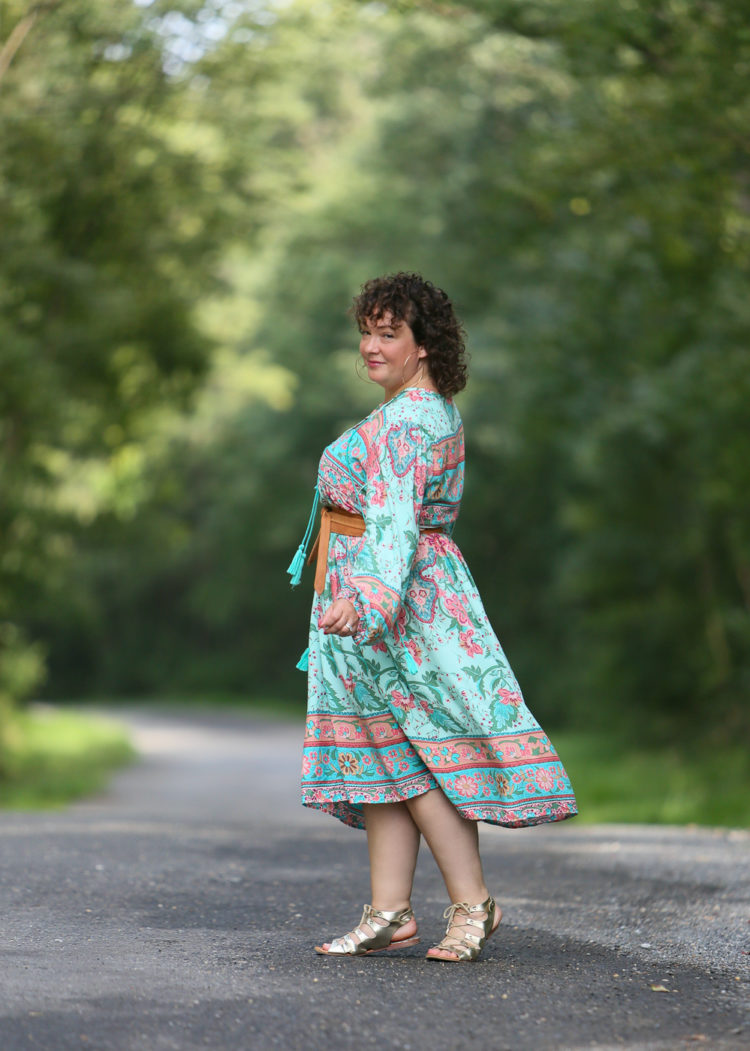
(416, 725)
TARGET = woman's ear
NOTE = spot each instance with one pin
(421, 352)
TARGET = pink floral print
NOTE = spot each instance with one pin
(423, 695)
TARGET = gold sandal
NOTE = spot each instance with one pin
(467, 946)
(381, 938)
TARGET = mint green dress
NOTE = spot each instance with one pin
(422, 696)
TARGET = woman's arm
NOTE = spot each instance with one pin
(374, 579)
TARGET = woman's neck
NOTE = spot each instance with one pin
(420, 381)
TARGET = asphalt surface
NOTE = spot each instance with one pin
(179, 911)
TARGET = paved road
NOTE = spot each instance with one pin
(178, 911)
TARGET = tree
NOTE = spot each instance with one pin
(110, 224)
(574, 175)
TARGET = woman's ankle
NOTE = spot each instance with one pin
(386, 905)
(474, 896)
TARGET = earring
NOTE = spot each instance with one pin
(357, 368)
(416, 378)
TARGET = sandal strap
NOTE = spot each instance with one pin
(399, 917)
(466, 945)
(382, 933)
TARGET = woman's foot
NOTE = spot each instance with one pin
(469, 927)
(378, 931)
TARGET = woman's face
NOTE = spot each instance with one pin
(390, 352)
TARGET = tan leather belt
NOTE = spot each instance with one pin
(334, 520)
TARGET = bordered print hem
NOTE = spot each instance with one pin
(521, 815)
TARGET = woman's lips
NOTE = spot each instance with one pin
(370, 364)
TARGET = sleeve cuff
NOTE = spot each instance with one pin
(366, 630)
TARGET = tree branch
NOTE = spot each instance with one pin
(19, 33)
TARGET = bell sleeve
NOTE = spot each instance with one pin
(375, 578)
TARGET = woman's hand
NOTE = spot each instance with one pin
(340, 618)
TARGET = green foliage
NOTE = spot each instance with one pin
(110, 222)
(573, 173)
(665, 785)
(54, 757)
(21, 672)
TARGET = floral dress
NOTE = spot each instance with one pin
(421, 695)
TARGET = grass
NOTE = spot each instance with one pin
(53, 757)
(205, 703)
(57, 755)
(667, 785)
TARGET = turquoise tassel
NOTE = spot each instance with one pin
(296, 566)
(411, 664)
(298, 562)
(303, 661)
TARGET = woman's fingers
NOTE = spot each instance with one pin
(339, 626)
(339, 619)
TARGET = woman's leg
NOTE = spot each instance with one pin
(454, 843)
(393, 845)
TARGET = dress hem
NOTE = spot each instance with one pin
(349, 811)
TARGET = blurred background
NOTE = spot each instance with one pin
(190, 194)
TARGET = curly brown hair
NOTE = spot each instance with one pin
(429, 314)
